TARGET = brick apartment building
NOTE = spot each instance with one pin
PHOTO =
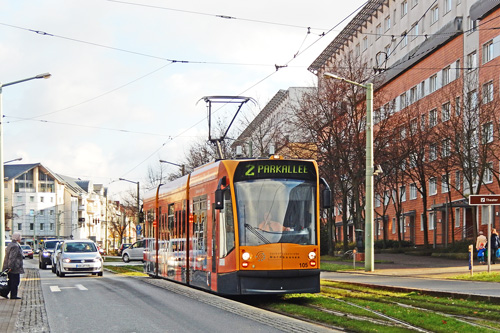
(435, 67)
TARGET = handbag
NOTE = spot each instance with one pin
(4, 284)
(497, 254)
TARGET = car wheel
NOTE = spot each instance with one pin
(126, 258)
(43, 265)
(53, 268)
(39, 265)
(99, 274)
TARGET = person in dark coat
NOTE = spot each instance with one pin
(495, 244)
(14, 262)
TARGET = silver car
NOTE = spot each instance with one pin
(79, 257)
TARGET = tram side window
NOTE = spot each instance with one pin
(171, 219)
(226, 230)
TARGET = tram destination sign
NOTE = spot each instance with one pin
(478, 200)
(259, 169)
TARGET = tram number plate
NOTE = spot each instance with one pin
(303, 265)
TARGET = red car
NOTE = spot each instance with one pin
(27, 251)
(123, 247)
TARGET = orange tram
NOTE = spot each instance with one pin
(238, 227)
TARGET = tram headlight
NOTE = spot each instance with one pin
(245, 256)
(312, 255)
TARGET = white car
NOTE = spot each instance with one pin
(134, 251)
(53, 256)
(79, 257)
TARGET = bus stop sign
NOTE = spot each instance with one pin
(478, 200)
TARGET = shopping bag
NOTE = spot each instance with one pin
(4, 284)
(498, 253)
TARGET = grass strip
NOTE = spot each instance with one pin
(128, 270)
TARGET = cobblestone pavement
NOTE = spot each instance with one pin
(32, 316)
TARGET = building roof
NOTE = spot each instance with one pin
(71, 184)
(15, 170)
(346, 34)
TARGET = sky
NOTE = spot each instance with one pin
(128, 77)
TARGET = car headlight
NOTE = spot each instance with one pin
(66, 260)
(46, 254)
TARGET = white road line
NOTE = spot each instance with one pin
(80, 287)
(54, 289)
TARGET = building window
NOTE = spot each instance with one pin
(42, 199)
(471, 61)
(472, 25)
(31, 226)
(357, 50)
(457, 106)
(447, 6)
(414, 3)
(414, 30)
(422, 89)
(432, 186)
(488, 132)
(387, 198)
(387, 23)
(402, 193)
(377, 200)
(487, 92)
(446, 75)
(433, 118)
(457, 217)
(433, 83)
(445, 147)
(378, 31)
(413, 95)
(41, 226)
(404, 39)
(457, 69)
(458, 180)
(488, 174)
(434, 14)
(393, 225)
(432, 152)
(413, 191)
(445, 186)
(403, 102)
(423, 122)
(432, 220)
(445, 112)
(365, 43)
(484, 214)
(404, 8)
(488, 51)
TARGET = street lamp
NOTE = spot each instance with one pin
(14, 160)
(182, 166)
(369, 252)
(138, 204)
(2, 174)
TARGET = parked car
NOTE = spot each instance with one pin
(27, 251)
(79, 257)
(134, 251)
(53, 257)
(45, 255)
(123, 247)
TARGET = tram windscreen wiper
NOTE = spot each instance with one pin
(258, 234)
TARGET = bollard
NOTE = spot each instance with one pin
(354, 258)
(471, 260)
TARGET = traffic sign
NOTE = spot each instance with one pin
(489, 199)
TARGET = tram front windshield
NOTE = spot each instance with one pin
(276, 211)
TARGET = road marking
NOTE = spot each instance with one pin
(56, 289)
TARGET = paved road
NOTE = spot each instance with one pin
(395, 270)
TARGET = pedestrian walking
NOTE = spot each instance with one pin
(481, 246)
(14, 262)
(495, 244)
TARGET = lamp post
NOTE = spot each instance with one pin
(369, 249)
(138, 204)
(14, 160)
(182, 166)
(2, 176)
